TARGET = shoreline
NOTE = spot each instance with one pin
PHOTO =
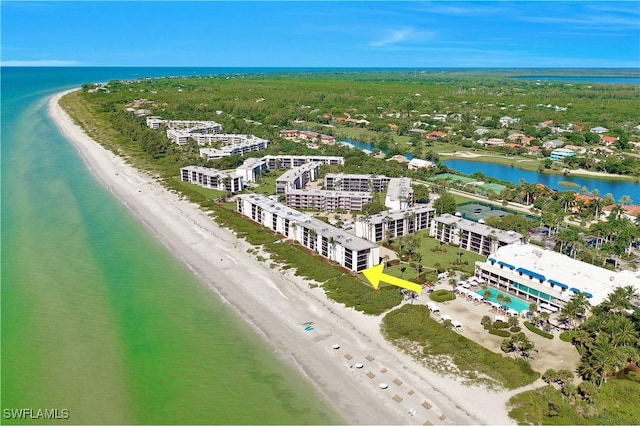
(275, 303)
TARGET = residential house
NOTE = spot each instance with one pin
(417, 163)
(599, 130)
(552, 144)
(560, 154)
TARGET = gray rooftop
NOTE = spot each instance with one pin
(291, 174)
(399, 188)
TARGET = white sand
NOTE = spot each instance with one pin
(277, 304)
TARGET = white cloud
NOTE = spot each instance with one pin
(403, 35)
(41, 63)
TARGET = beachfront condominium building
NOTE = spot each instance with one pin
(391, 224)
(327, 200)
(399, 194)
(297, 177)
(355, 182)
(550, 278)
(291, 161)
(239, 148)
(470, 235)
(252, 169)
(560, 154)
(211, 178)
(353, 253)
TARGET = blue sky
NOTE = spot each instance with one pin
(322, 34)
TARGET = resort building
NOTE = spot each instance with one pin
(355, 182)
(297, 177)
(471, 235)
(211, 178)
(399, 194)
(332, 243)
(327, 200)
(240, 148)
(392, 224)
(549, 278)
(154, 122)
(560, 154)
(251, 169)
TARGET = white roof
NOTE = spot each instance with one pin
(445, 317)
(433, 307)
(587, 278)
(456, 323)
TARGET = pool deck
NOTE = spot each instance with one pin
(553, 353)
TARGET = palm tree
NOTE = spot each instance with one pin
(402, 270)
(385, 259)
(460, 236)
(625, 200)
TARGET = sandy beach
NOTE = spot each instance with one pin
(278, 303)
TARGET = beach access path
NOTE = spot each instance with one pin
(278, 305)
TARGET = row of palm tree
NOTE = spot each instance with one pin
(610, 339)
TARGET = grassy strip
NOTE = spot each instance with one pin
(536, 330)
(412, 323)
(354, 294)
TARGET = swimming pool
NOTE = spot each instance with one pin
(516, 304)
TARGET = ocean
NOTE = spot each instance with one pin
(98, 318)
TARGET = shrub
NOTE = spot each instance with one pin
(501, 333)
(442, 295)
(500, 324)
(567, 336)
(536, 330)
(515, 329)
(485, 320)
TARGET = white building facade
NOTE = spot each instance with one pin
(549, 278)
(392, 224)
(351, 252)
(211, 178)
(472, 236)
(327, 200)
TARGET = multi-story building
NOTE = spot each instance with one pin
(211, 178)
(549, 278)
(332, 243)
(297, 177)
(240, 148)
(392, 224)
(327, 200)
(470, 235)
(355, 182)
(251, 169)
(291, 161)
(399, 194)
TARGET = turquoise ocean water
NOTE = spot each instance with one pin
(97, 317)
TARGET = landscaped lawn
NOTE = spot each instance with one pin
(444, 259)
(268, 183)
(213, 194)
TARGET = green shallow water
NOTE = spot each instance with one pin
(98, 318)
